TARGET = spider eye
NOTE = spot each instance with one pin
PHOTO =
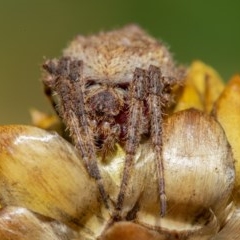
(123, 86)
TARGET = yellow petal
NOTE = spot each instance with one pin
(227, 111)
(42, 172)
(202, 87)
(45, 121)
(189, 98)
(21, 224)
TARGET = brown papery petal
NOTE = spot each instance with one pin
(199, 176)
(21, 224)
(42, 172)
(231, 230)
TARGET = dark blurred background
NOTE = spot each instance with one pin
(32, 30)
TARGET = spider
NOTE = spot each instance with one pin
(113, 88)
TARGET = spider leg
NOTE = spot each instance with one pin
(50, 67)
(67, 84)
(137, 96)
(156, 103)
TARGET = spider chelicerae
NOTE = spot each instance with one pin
(113, 88)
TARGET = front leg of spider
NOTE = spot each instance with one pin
(138, 89)
(157, 100)
(66, 82)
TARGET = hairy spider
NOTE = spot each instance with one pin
(113, 87)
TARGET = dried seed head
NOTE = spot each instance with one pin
(199, 174)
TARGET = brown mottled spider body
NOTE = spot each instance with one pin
(113, 87)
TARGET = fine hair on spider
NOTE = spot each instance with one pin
(113, 88)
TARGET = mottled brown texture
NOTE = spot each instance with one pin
(113, 88)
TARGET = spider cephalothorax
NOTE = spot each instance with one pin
(113, 87)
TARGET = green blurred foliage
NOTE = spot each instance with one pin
(32, 30)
